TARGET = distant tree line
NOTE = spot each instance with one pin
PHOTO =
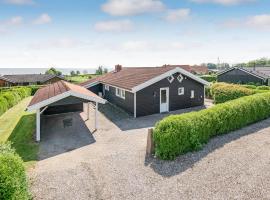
(258, 62)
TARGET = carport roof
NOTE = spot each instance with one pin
(60, 90)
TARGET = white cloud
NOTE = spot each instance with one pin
(43, 19)
(6, 25)
(17, 20)
(224, 2)
(114, 26)
(132, 7)
(177, 15)
(19, 2)
(257, 22)
(57, 43)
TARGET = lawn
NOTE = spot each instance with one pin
(18, 126)
(79, 78)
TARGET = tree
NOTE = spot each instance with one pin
(211, 66)
(72, 73)
(78, 72)
(101, 70)
(53, 71)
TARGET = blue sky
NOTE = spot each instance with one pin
(69, 33)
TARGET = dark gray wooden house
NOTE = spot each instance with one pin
(240, 75)
(144, 91)
(28, 79)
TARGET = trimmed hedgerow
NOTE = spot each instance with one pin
(178, 134)
(209, 78)
(223, 92)
(13, 181)
(9, 98)
(263, 87)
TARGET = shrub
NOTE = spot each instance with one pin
(178, 134)
(10, 97)
(13, 182)
(209, 78)
(34, 89)
(263, 87)
(249, 86)
(208, 93)
(223, 92)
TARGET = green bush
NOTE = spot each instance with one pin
(13, 182)
(209, 78)
(263, 87)
(34, 89)
(208, 93)
(249, 86)
(9, 98)
(223, 92)
(178, 134)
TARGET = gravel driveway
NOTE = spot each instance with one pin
(114, 166)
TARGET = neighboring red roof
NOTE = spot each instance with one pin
(58, 88)
(129, 77)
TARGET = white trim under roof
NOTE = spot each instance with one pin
(165, 75)
(241, 69)
(91, 84)
(62, 96)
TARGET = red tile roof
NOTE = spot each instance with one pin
(58, 88)
(129, 77)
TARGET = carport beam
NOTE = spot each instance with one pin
(96, 116)
(38, 125)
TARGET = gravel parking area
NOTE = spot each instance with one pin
(114, 166)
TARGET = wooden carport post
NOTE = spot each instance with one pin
(38, 125)
(96, 116)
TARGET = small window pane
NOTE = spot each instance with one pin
(181, 91)
(163, 96)
(192, 94)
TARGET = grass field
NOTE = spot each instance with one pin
(79, 78)
(18, 126)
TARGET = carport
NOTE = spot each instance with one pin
(62, 97)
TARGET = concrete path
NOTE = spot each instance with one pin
(114, 166)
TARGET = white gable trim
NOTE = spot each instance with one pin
(165, 75)
(241, 69)
(62, 96)
(91, 84)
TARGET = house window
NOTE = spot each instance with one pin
(181, 91)
(107, 87)
(123, 94)
(118, 92)
(180, 78)
(192, 94)
(170, 78)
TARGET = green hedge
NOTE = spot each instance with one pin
(209, 78)
(263, 87)
(13, 182)
(223, 92)
(178, 134)
(9, 98)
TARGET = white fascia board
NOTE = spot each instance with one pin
(91, 84)
(48, 101)
(169, 73)
(225, 71)
(62, 96)
(243, 70)
(90, 98)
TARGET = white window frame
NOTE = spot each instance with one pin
(192, 94)
(121, 94)
(181, 91)
(170, 78)
(180, 78)
(107, 87)
(116, 92)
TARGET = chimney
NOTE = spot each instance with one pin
(118, 68)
